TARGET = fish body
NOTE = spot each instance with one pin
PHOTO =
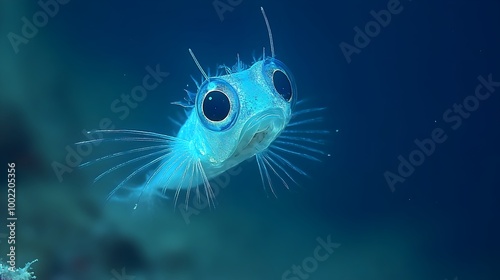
(246, 112)
(257, 113)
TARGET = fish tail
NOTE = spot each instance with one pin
(167, 163)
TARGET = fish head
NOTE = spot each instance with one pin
(239, 115)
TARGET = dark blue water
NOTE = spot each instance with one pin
(409, 191)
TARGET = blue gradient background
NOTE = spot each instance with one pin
(441, 223)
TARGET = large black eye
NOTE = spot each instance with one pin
(216, 106)
(282, 84)
(280, 79)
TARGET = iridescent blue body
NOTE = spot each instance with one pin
(247, 112)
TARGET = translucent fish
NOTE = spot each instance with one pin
(248, 111)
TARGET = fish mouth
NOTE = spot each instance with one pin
(258, 133)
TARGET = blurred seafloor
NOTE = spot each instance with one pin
(441, 223)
